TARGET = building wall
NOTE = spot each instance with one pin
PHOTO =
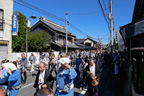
(89, 41)
(17, 56)
(7, 6)
(55, 37)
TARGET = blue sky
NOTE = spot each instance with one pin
(93, 24)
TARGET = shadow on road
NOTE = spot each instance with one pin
(33, 74)
(77, 82)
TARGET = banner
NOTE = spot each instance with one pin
(15, 23)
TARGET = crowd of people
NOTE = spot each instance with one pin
(85, 65)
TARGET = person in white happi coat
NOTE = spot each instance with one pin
(47, 58)
(32, 60)
(42, 58)
(54, 63)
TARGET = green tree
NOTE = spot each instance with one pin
(38, 40)
(18, 42)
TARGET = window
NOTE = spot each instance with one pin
(1, 19)
(88, 44)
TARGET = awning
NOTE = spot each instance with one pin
(56, 44)
(87, 47)
(70, 45)
(4, 42)
(131, 30)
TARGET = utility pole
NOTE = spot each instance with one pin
(111, 25)
(66, 34)
(26, 41)
(99, 39)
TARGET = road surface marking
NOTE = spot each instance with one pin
(26, 86)
(83, 92)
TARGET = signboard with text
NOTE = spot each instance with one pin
(15, 23)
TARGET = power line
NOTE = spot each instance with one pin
(32, 7)
(105, 6)
(86, 13)
(25, 4)
(74, 27)
(41, 11)
(103, 13)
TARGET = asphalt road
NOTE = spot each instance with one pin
(28, 89)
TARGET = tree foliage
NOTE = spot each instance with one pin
(38, 40)
(19, 42)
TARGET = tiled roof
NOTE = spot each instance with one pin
(70, 45)
(80, 41)
(54, 26)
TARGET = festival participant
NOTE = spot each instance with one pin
(2, 93)
(73, 58)
(44, 92)
(54, 64)
(78, 62)
(47, 59)
(32, 60)
(42, 58)
(99, 61)
(15, 63)
(44, 78)
(93, 72)
(65, 77)
(81, 70)
(3, 77)
(14, 80)
(23, 62)
(116, 62)
(59, 64)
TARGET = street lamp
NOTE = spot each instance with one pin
(33, 17)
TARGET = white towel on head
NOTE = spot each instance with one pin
(64, 60)
(10, 65)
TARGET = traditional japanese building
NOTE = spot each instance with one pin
(87, 43)
(133, 36)
(57, 33)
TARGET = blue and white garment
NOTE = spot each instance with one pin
(14, 80)
(4, 79)
(78, 62)
(62, 77)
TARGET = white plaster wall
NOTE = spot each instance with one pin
(89, 41)
(17, 56)
(7, 6)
